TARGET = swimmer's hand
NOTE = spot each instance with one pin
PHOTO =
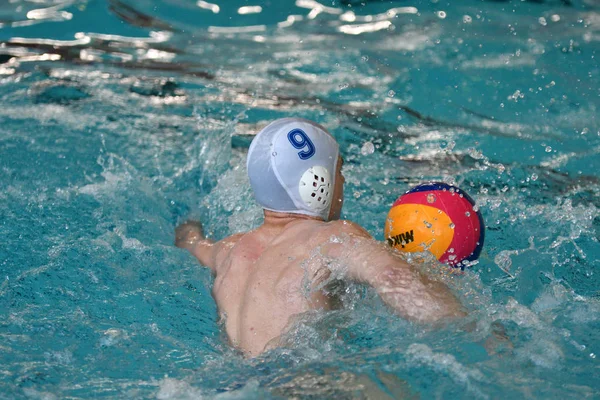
(188, 234)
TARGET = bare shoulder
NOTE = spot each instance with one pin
(346, 227)
(226, 244)
(327, 230)
(342, 239)
(233, 239)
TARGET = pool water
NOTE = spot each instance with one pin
(122, 118)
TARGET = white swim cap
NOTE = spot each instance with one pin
(291, 165)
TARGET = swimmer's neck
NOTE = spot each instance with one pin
(279, 219)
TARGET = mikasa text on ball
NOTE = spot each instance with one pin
(437, 217)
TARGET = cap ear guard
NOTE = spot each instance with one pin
(290, 166)
(315, 188)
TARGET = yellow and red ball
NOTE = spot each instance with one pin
(440, 218)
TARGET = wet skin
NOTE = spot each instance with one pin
(265, 277)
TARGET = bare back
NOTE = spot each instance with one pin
(265, 277)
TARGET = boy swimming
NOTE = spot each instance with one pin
(261, 277)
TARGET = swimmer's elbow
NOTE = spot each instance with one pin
(432, 314)
(423, 312)
(417, 298)
(442, 314)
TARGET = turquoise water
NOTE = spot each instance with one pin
(120, 119)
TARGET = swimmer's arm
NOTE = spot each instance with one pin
(400, 285)
(412, 294)
(209, 253)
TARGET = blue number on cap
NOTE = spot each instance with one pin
(300, 140)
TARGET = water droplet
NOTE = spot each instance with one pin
(427, 224)
(468, 214)
(474, 153)
(431, 198)
(274, 153)
(452, 225)
(475, 208)
(451, 250)
(367, 148)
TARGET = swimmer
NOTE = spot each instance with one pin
(295, 172)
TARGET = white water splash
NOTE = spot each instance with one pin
(174, 389)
